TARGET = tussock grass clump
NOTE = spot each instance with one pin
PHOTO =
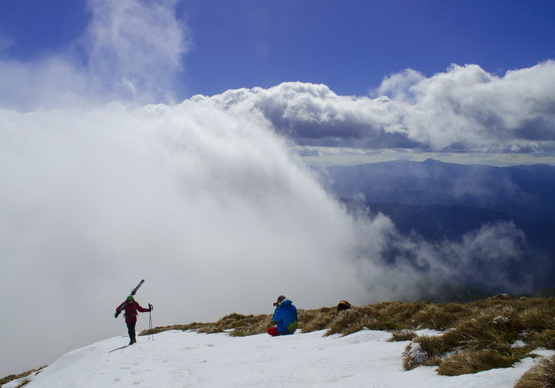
(435, 317)
(536, 319)
(492, 333)
(545, 339)
(315, 320)
(353, 320)
(402, 335)
(359, 318)
(235, 324)
(474, 361)
(401, 313)
(413, 356)
(423, 350)
(7, 379)
(540, 376)
(434, 346)
(487, 330)
(159, 329)
(239, 325)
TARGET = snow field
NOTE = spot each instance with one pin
(189, 359)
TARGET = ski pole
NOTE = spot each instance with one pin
(150, 308)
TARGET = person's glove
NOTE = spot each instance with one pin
(150, 307)
(116, 314)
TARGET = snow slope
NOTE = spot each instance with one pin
(188, 359)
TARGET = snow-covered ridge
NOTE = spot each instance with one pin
(190, 359)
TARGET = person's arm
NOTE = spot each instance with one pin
(277, 315)
(141, 308)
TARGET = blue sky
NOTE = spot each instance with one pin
(348, 45)
(351, 45)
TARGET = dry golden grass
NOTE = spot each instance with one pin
(317, 319)
(423, 350)
(235, 324)
(402, 335)
(435, 317)
(540, 376)
(544, 339)
(9, 378)
(474, 336)
(474, 361)
(239, 325)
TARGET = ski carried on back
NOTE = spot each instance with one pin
(134, 291)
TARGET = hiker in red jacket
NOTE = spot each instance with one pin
(131, 308)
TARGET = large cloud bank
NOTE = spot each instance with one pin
(462, 109)
(205, 199)
(210, 207)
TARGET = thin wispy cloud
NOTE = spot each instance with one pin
(131, 51)
(136, 48)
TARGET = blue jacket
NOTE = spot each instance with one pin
(286, 317)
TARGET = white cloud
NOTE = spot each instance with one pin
(398, 85)
(462, 109)
(133, 52)
(53, 81)
(136, 47)
(469, 108)
(210, 207)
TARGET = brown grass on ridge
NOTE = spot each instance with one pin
(472, 336)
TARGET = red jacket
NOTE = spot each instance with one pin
(131, 308)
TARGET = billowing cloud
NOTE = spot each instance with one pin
(462, 109)
(468, 108)
(210, 207)
(314, 115)
(131, 51)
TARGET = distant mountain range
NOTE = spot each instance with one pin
(443, 201)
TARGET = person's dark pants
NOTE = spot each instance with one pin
(131, 331)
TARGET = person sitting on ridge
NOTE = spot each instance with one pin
(131, 308)
(285, 316)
